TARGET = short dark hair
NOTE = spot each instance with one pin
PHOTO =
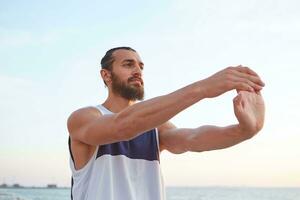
(108, 59)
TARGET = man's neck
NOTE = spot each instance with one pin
(116, 103)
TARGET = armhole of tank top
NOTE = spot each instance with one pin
(90, 160)
(157, 139)
(84, 168)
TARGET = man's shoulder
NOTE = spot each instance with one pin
(87, 110)
(82, 115)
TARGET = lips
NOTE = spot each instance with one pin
(138, 80)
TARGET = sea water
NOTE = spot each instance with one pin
(173, 193)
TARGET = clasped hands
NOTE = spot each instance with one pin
(249, 107)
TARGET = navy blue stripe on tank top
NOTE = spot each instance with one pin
(143, 146)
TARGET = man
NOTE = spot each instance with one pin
(115, 146)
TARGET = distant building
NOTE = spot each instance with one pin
(3, 185)
(16, 185)
(51, 186)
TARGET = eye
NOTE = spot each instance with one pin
(128, 64)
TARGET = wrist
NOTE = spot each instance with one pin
(201, 89)
(245, 131)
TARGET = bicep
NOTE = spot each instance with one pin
(89, 126)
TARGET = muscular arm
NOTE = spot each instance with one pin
(204, 138)
(249, 110)
(90, 127)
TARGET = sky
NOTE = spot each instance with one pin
(50, 56)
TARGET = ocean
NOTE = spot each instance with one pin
(173, 193)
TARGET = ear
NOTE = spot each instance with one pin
(106, 75)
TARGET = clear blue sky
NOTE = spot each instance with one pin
(49, 67)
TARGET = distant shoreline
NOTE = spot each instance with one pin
(33, 187)
(191, 187)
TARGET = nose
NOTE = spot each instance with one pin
(137, 72)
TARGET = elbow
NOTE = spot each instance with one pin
(178, 146)
(176, 150)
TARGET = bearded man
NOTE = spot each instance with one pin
(115, 146)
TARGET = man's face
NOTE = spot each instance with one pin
(126, 75)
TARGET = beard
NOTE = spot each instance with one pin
(125, 90)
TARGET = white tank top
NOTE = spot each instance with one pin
(126, 170)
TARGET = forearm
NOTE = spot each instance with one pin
(206, 138)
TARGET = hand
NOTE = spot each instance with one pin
(249, 109)
(239, 78)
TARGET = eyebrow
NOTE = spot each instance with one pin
(131, 61)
